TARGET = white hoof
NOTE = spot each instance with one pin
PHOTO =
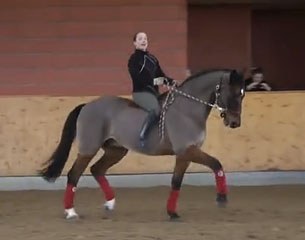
(109, 205)
(71, 214)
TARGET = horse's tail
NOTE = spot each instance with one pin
(58, 159)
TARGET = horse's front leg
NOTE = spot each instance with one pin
(182, 164)
(200, 157)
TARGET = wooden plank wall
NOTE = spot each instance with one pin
(271, 136)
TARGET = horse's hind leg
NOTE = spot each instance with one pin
(197, 156)
(112, 155)
(74, 175)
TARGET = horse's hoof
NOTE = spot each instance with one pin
(71, 218)
(109, 205)
(221, 200)
(222, 204)
(71, 214)
(108, 208)
(107, 214)
(173, 216)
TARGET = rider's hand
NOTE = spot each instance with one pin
(159, 81)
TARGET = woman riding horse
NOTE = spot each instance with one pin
(101, 123)
(146, 75)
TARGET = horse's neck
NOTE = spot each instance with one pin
(194, 103)
(202, 87)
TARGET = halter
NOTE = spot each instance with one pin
(170, 98)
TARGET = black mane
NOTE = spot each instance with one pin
(203, 72)
(200, 73)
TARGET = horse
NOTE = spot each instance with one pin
(112, 123)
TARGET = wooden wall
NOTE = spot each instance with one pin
(271, 136)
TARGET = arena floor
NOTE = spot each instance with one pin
(267, 213)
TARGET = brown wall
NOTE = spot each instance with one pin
(219, 36)
(250, 35)
(278, 41)
(63, 47)
(271, 136)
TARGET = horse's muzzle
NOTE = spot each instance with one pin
(231, 119)
(234, 124)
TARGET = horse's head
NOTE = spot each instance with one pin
(230, 96)
(224, 87)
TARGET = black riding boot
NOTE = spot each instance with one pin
(147, 125)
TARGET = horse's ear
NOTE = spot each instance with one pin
(234, 77)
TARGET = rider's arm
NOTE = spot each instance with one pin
(134, 69)
(140, 78)
(167, 79)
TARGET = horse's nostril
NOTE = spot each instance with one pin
(233, 125)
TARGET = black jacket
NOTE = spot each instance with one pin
(143, 67)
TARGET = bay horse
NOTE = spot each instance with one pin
(113, 123)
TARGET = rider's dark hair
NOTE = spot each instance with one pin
(135, 35)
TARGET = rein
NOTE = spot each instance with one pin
(214, 105)
(170, 98)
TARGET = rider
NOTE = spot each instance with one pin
(146, 75)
